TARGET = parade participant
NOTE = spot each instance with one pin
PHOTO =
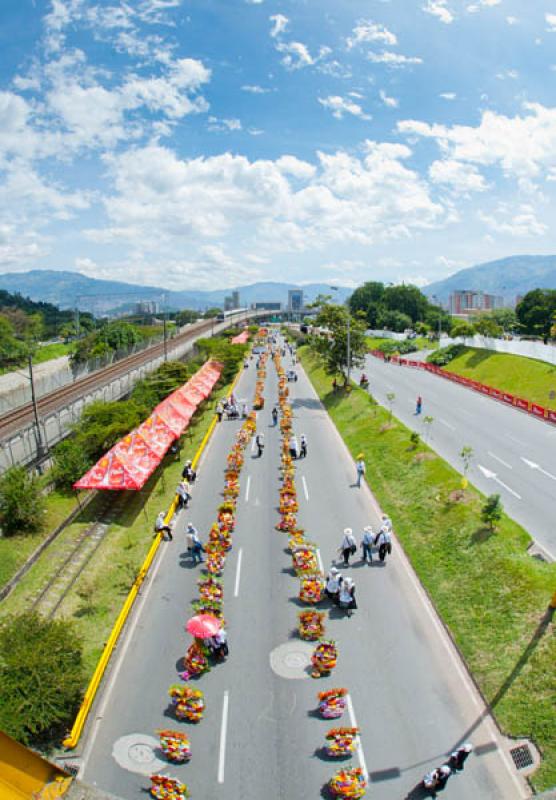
(219, 410)
(293, 446)
(275, 416)
(383, 541)
(459, 756)
(348, 546)
(259, 441)
(367, 545)
(346, 598)
(419, 405)
(303, 441)
(219, 645)
(160, 526)
(183, 493)
(188, 472)
(333, 582)
(194, 544)
(360, 467)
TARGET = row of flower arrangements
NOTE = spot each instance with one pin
(188, 703)
(341, 742)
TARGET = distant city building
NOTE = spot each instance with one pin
(295, 301)
(147, 307)
(231, 301)
(519, 298)
(469, 301)
(267, 305)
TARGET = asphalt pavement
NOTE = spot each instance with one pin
(260, 736)
(514, 454)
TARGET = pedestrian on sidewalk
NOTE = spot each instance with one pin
(160, 526)
(360, 467)
(194, 544)
(275, 416)
(303, 441)
(333, 582)
(219, 410)
(386, 523)
(346, 598)
(418, 405)
(460, 756)
(367, 545)
(294, 449)
(348, 547)
(183, 493)
(259, 441)
(383, 541)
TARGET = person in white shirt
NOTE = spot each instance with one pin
(333, 582)
(183, 493)
(194, 544)
(367, 545)
(384, 542)
(360, 466)
(348, 546)
(303, 442)
(160, 526)
(293, 447)
(346, 598)
(386, 523)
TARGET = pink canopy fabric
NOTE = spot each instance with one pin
(130, 463)
(241, 338)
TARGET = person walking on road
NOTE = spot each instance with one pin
(188, 473)
(367, 545)
(348, 546)
(293, 447)
(346, 598)
(219, 410)
(360, 466)
(194, 544)
(259, 442)
(460, 756)
(384, 543)
(418, 405)
(333, 582)
(386, 523)
(303, 442)
(160, 526)
(275, 416)
(183, 493)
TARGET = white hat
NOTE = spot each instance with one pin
(347, 531)
(334, 570)
(189, 525)
(368, 529)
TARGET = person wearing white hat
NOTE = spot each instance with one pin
(333, 582)
(346, 598)
(348, 546)
(367, 545)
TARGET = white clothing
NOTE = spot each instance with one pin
(348, 541)
(384, 537)
(333, 582)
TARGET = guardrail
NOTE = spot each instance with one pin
(535, 409)
(73, 739)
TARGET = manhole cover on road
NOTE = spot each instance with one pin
(138, 753)
(522, 756)
(291, 660)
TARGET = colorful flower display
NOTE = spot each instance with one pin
(195, 660)
(211, 589)
(175, 746)
(349, 783)
(341, 742)
(189, 703)
(304, 560)
(332, 703)
(324, 658)
(311, 625)
(165, 788)
(311, 589)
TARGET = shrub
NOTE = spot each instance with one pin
(41, 677)
(393, 346)
(444, 355)
(21, 502)
(492, 511)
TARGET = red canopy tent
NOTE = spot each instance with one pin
(130, 463)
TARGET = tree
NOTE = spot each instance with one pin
(506, 318)
(368, 298)
(119, 335)
(492, 510)
(536, 311)
(210, 313)
(393, 320)
(466, 456)
(21, 502)
(460, 327)
(408, 300)
(41, 677)
(70, 462)
(486, 326)
(186, 316)
(332, 346)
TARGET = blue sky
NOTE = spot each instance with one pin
(211, 143)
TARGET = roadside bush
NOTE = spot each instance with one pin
(393, 346)
(444, 355)
(230, 355)
(21, 502)
(41, 677)
(492, 511)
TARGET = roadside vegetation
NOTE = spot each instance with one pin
(493, 597)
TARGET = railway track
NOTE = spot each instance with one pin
(51, 402)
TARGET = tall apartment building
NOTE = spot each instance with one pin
(231, 301)
(468, 301)
(295, 301)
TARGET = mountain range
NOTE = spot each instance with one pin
(72, 289)
(508, 277)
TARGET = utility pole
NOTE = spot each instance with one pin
(348, 345)
(164, 327)
(38, 435)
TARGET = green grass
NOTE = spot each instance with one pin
(421, 342)
(50, 351)
(493, 597)
(525, 377)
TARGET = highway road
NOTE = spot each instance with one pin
(260, 737)
(514, 454)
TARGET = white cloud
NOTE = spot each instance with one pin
(391, 102)
(368, 31)
(393, 59)
(522, 224)
(448, 95)
(551, 22)
(280, 24)
(290, 165)
(297, 55)
(340, 106)
(227, 125)
(522, 145)
(254, 89)
(512, 20)
(512, 74)
(439, 8)
(460, 177)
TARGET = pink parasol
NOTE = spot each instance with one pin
(203, 626)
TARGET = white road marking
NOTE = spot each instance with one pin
(499, 459)
(319, 559)
(515, 439)
(306, 491)
(253, 442)
(223, 731)
(536, 466)
(238, 572)
(490, 475)
(359, 746)
(447, 424)
(247, 488)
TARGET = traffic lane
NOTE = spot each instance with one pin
(409, 687)
(135, 697)
(494, 448)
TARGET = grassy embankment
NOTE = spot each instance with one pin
(525, 377)
(492, 596)
(421, 342)
(97, 596)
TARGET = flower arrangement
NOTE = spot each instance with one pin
(213, 607)
(226, 518)
(349, 783)
(195, 661)
(211, 589)
(287, 523)
(332, 703)
(214, 562)
(165, 788)
(220, 536)
(311, 625)
(304, 560)
(340, 742)
(231, 488)
(297, 539)
(189, 704)
(311, 589)
(175, 746)
(324, 658)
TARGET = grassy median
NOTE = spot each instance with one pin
(525, 377)
(493, 597)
